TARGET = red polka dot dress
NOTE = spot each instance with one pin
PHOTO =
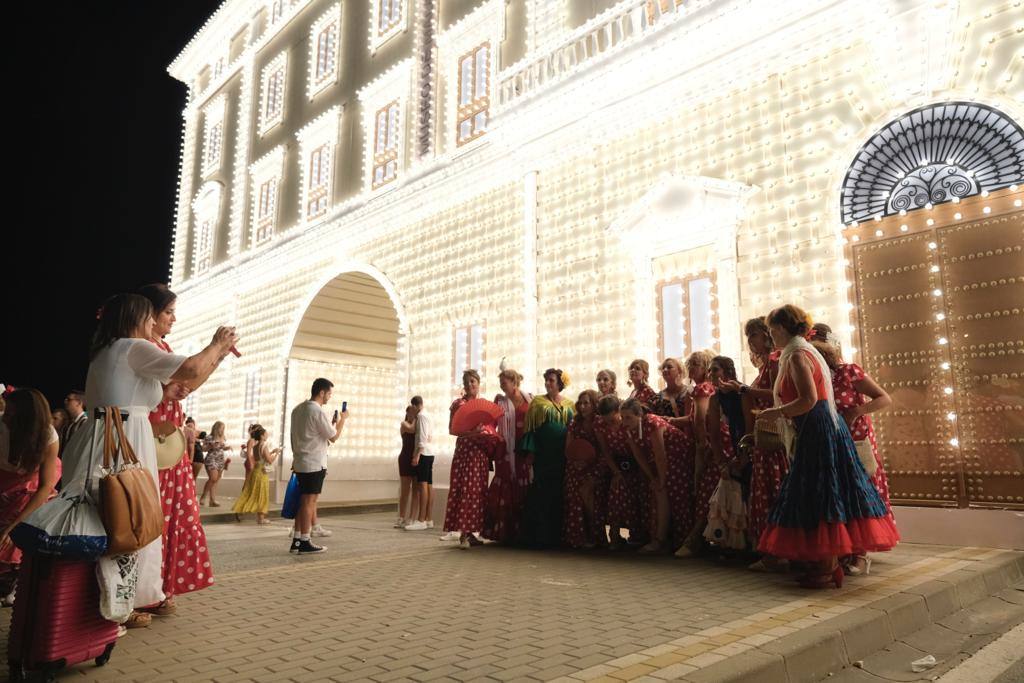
(647, 396)
(624, 490)
(709, 477)
(679, 481)
(467, 491)
(186, 559)
(844, 381)
(577, 529)
(768, 468)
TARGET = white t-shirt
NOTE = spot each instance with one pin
(5, 444)
(130, 372)
(424, 434)
(311, 433)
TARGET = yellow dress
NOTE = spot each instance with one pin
(255, 496)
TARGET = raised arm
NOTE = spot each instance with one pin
(198, 368)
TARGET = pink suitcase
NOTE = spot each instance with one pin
(57, 621)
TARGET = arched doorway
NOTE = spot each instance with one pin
(353, 332)
(935, 251)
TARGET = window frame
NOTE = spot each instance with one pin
(319, 82)
(389, 154)
(270, 119)
(381, 34)
(478, 103)
(684, 281)
(213, 135)
(319, 136)
(468, 329)
(268, 170)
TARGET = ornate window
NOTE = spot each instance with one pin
(385, 144)
(932, 155)
(251, 402)
(265, 176)
(383, 103)
(468, 350)
(474, 94)
(324, 41)
(687, 315)
(213, 135)
(388, 21)
(277, 8)
(206, 212)
(272, 87)
(317, 142)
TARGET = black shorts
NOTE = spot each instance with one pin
(425, 470)
(310, 482)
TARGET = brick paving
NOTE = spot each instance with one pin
(387, 605)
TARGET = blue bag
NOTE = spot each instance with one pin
(290, 507)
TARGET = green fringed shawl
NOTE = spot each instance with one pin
(542, 411)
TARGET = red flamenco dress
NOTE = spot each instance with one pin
(647, 396)
(186, 559)
(844, 386)
(467, 490)
(624, 498)
(579, 530)
(768, 468)
(507, 491)
(708, 481)
(679, 480)
(827, 506)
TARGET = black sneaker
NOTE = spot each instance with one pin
(295, 545)
(307, 548)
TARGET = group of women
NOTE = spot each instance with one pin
(579, 473)
(133, 368)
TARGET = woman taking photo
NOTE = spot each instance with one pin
(467, 491)
(29, 471)
(255, 495)
(828, 507)
(547, 421)
(128, 371)
(664, 455)
(184, 547)
(507, 491)
(215, 461)
(857, 396)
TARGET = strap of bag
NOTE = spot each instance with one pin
(127, 452)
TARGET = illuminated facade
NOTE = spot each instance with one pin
(384, 192)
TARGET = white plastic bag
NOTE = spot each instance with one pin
(117, 577)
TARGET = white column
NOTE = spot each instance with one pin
(240, 172)
(529, 260)
(183, 213)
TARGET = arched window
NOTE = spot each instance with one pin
(932, 155)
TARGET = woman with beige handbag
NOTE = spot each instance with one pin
(857, 395)
(127, 371)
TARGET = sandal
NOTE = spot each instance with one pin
(138, 620)
(162, 609)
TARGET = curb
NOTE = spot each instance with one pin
(323, 510)
(820, 651)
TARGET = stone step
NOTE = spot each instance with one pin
(949, 618)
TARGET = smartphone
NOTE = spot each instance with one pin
(344, 406)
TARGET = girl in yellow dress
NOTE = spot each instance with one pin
(259, 460)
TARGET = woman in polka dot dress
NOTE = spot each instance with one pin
(186, 560)
(665, 455)
(581, 479)
(694, 426)
(623, 503)
(856, 395)
(467, 491)
(639, 375)
(768, 468)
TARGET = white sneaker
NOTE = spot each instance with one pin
(320, 531)
(430, 525)
(416, 526)
(450, 536)
(400, 524)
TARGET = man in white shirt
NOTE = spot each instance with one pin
(423, 462)
(311, 434)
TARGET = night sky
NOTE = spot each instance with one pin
(95, 163)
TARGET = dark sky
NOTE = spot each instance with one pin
(96, 123)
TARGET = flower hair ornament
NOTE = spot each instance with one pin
(565, 378)
(503, 366)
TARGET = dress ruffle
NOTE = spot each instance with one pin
(830, 539)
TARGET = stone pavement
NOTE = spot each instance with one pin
(387, 605)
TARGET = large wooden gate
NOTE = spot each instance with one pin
(938, 298)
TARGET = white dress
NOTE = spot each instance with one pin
(128, 374)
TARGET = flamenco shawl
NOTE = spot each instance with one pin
(507, 425)
(543, 412)
(795, 346)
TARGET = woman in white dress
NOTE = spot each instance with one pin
(126, 370)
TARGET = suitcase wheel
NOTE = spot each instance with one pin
(105, 657)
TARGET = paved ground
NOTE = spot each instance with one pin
(390, 605)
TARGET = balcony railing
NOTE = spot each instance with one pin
(598, 39)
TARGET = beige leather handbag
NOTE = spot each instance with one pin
(129, 500)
